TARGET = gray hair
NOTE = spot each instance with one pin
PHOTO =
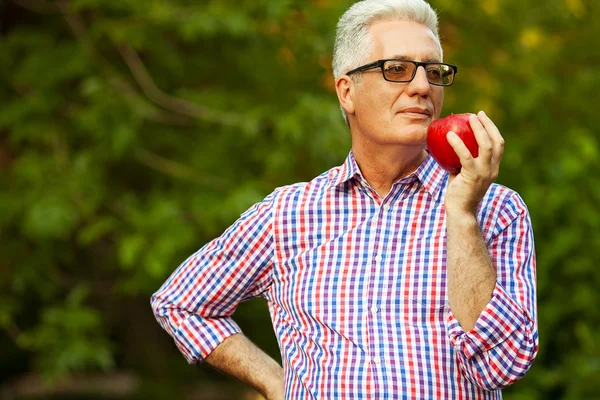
(353, 44)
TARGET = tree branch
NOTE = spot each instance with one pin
(172, 103)
(177, 170)
(179, 109)
(131, 96)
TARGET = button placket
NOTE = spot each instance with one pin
(372, 309)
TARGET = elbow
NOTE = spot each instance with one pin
(162, 312)
(498, 383)
(156, 305)
(502, 366)
(500, 380)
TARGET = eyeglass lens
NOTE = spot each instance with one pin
(402, 71)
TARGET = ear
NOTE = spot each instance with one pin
(344, 87)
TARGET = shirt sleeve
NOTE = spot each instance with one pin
(196, 302)
(501, 347)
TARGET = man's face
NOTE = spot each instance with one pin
(382, 108)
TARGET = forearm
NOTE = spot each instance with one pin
(502, 345)
(242, 359)
(471, 276)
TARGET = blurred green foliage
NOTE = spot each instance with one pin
(132, 132)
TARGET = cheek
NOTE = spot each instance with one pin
(376, 105)
(438, 101)
(382, 103)
(373, 104)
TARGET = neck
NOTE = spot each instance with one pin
(382, 166)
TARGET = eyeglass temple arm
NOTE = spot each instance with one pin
(365, 67)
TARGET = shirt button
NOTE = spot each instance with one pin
(374, 309)
(376, 359)
(386, 207)
(378, 258)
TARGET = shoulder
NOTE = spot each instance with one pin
(500, 207)
(302, 191)
(504, 198)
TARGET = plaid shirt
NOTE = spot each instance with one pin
(356, 288)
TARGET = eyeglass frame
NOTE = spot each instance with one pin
(380, 64)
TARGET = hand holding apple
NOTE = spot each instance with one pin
(477, 169)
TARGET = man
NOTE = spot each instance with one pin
(385, 277)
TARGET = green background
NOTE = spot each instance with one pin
(134, 131)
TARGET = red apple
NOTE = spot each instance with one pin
(438, 145)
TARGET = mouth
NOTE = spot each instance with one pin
(416, 112)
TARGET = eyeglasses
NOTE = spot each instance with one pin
(395, 70)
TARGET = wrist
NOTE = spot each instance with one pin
(274, 389)
(461, 215)
(273, 385)
(461, 223)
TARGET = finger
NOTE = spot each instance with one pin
(482, 137)
(494, 134)
(463, 153)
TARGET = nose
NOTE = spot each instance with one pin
(419, 85)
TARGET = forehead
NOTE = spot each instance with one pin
(404, 38)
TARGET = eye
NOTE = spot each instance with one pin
(396, 68)
(435, 72)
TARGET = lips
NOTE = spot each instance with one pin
(416, 110)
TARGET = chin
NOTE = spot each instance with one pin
(412, 132)
(411, 137)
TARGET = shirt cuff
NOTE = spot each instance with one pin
(497, 322)
(197, 337)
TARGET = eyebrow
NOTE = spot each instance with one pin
(400, 57)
